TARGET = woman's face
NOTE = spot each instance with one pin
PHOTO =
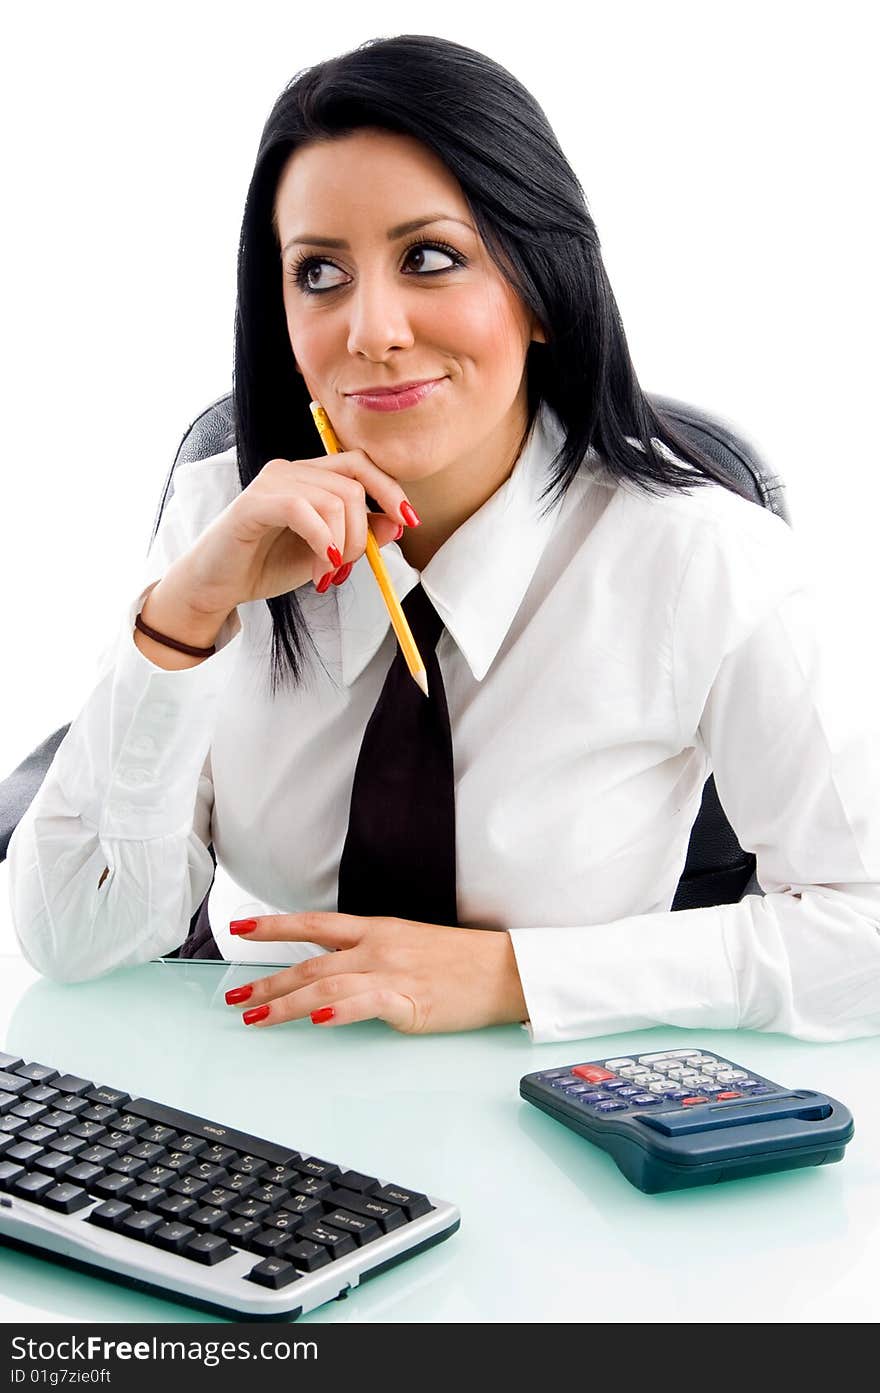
(390, 304)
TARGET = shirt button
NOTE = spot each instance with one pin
(143, 745)
(134, 778)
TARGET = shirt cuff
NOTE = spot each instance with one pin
(630, 974)
(133, 756)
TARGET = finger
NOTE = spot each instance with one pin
(328, 929)
(297, 976)
(347, 996)
(356, 464)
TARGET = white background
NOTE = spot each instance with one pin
(728, 158)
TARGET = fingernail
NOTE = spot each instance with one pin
(409, 515)
(326, 1013)
(238, 994)
(334, 556)
(324, 582)
(343, 573)
(398, 534)
(257, 1013)
(242, 926)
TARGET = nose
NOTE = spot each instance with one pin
(378, 318)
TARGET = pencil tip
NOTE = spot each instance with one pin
(421, 678)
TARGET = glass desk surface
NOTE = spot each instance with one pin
(550, 1230)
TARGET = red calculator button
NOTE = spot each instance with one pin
(727, 1095)
(593, 1073)
(688, 1102)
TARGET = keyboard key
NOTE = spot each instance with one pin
(110, 1214)
(208, 1217)
(175, 1206)
(361, 1229)
(269, 1242)
(33, 1185)
(188, 1185)
(93, 1155)
(298, 1204)
(9, 1173)
(7, 1102)
(239, 1231)
(66, 1198)
(29, 1109)
(10, 1061)
(141, 1223)
(81, 1173)
(270, 1195)
(126, 1165)
(274, 1273)
(248, 1165)
(174, 1236)
(55, 1163)
(314, 1166)
(335, 1242)
(71, 1103)
(192, 1145)
(413, 1204)
(250, 1209)
(289, 1221)
(113, 1186)
(178, 1161)
(361, 1184)
(13, 1083)
(208, 1248)
(307, 1255)
(69, 1083)
(71, 1146)
(147, 1151)
(145, 1196)
(38, 1135)
(25, 1152)
(111, 1096)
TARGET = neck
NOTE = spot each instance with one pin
(447, 499)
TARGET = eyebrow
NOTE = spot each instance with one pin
(393, 232)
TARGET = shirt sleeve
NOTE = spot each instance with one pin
(797, 770)
(130, 790)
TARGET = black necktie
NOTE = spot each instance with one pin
(399, 853)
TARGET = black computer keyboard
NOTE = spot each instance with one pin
(199, 1212)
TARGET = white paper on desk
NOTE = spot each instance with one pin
(226, 901)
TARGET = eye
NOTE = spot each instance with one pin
(307, 274)
(425, 250)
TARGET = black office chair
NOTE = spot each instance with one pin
(717, 870)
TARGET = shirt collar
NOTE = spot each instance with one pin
(476, 580)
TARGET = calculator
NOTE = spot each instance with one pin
(690, 1117)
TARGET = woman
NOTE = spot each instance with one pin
(617, 623)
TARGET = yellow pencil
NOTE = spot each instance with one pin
(374, 556)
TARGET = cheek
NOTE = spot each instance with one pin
(311, 341)
(490, 333)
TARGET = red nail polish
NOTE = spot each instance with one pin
(334, 556)
(399, 533)
(257, 1013)
(242, 926)
(326, 1013)
(238, 994)
(409, 515)
(324, 582)
(343, 573)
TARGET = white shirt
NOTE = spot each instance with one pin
(599, 663)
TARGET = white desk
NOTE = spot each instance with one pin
(550, 1231)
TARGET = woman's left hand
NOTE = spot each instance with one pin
(417, 977)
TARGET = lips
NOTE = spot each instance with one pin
(398, 398)
(391, 391)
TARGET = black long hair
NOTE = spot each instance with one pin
(531, 213)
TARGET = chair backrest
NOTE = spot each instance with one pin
(717, 870)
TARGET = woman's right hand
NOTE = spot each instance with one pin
(278, 533)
